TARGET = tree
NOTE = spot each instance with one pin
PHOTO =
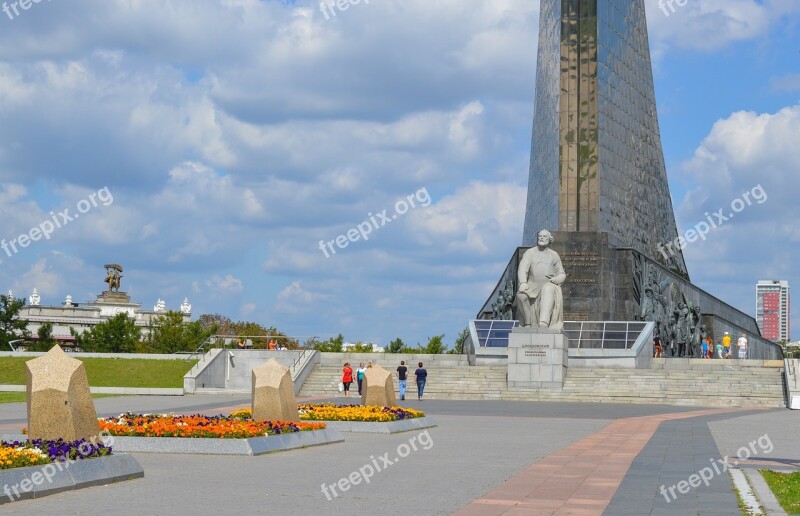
(458, 345)
(45, 342)
(362, 347)
(116, 335)
(169, 334)
(396, 346)
(221, 325)
(435, 346)
(332, 345)
(11, 326)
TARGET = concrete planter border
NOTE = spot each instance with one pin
(209, 446)
(58, 477)
(389, 427)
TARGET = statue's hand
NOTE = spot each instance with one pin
(523, 287)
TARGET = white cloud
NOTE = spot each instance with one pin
(225, 284)
(709, 25)
(478, 219)
(751, 155)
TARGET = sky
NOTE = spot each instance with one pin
(218, 149)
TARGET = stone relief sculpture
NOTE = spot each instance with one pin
(678, 321)
(539, 300)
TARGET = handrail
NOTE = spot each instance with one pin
(226, 338)
(309, 346)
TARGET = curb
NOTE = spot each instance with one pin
(66, 476)
(210, 446)
(389, 427)
(764, 493)
(136, 391)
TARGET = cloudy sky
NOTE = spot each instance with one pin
(235, 135)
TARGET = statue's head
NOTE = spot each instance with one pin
(544, 238)
(648, 292)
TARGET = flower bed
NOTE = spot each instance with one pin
(197, 426)
(18, 454)
(329, 412)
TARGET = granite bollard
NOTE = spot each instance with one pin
(59, 400)
(378, 388)
(273, 393)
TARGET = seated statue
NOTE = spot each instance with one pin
(539, 301)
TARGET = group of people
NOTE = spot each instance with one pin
(709, 349)
(273, 345)
(402, 376)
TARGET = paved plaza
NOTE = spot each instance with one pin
(484, 458)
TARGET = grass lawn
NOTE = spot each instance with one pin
(111, 372)
(16, 397)
(786, 487)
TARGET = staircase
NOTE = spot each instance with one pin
(456, 383)
(714, 384)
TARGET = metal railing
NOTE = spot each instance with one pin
(308, 348)
(227, 341)
(621, 335)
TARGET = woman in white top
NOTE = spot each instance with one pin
(742, 344)
(360, 376)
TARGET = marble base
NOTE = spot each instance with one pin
(537, 358)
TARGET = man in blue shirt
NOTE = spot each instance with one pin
(422, 377)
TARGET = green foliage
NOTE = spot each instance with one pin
(222, 325)
(45, 341)
(435, 346)
(169, 334)
(396, 346)
(458, 346)
(11, 326)
(116, 335)
(362, 347)
(332, 345)
(111, 372)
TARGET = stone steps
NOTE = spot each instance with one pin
(722, 386)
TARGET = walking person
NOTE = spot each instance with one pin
(402, 370)
(658, 348)
(422, 377)
(704, 347)
(742, 345)
(360, 376)
(726, 345)
(347, 378)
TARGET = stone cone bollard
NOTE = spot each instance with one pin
(59, 400)
(378, 388)
(273, 393)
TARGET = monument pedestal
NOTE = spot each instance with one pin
(537, 358)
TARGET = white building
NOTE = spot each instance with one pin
(82, 316)
(773, 309)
